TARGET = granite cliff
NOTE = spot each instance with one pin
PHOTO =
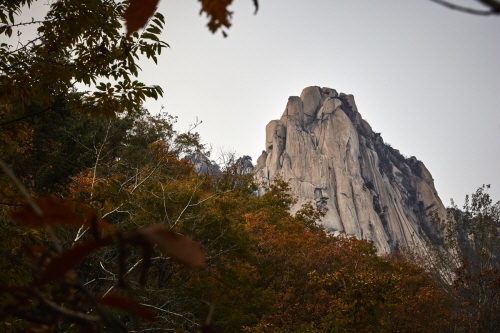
(331, 156)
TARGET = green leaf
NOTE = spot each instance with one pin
(160, 16)
(101, 86)
(86, 80)
(154, 30)
(157, 22)
(3, 18)
(150, 36)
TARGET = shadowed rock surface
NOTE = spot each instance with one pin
(332, 157)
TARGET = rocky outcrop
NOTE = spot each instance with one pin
(331, 156)
(202, 164)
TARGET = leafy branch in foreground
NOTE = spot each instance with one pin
(55, 296)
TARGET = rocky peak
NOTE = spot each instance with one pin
(202, 164)
(332, 157)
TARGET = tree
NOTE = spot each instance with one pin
(81, 44)
(77, 43)
(79, 59)
(416, 294)
(468, 260)
(131, 171)
(47, 269)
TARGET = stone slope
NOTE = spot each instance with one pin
(332, 157)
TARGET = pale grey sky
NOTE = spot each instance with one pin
(424, 76)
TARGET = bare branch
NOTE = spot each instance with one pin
(80, 233)
(188, 204)
(110, 273)
(98, 157)
(112, 211)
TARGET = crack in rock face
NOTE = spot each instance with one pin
(331, 157)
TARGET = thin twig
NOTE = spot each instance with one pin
(110, 273)
(24, 23)
(26, 116)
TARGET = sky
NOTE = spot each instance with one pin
(426, 77)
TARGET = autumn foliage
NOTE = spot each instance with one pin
(119, 243)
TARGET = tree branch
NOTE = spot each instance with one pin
(495, 7)
(493, 4)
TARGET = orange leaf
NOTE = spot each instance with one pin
(54, 213)
(130, 305)
(58, 213)
(138, 13)
(60, 265)
(218, 14)
(177, 247)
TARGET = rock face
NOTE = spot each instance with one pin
(332, 157)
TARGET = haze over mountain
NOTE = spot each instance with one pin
(333, 158)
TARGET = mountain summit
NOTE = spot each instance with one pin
(331, 156)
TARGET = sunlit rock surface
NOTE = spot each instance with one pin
(332, 157)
